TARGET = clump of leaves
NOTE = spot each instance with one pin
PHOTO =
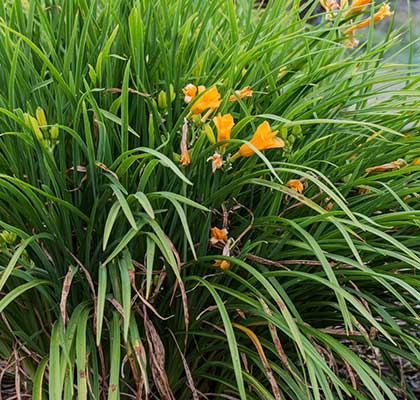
(110, 285)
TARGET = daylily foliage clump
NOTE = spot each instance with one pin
(207, 200)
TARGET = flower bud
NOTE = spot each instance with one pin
(27, 118)
(8, 237)
(35, 128)
(54, 133)
(297, 130)
(283, 132)
(209, 133)
(162, 103)
(40, 116)
(172, 94)
(282, 72)
(196, 118)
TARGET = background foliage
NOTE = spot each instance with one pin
(107, 283)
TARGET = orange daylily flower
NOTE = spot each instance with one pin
(329, 5)
(264, 138)
(190, 91)
(295, 184)
(386, 167)
(216, 160)
(416, 162)
(209, 100)
(218, 235)
(224, 124)
(223, 264)
(245, 92)
(358, 5)
(384, 11)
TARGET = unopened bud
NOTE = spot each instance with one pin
(27, 118)
(209, 133)
(283, 132)
(172, 94)
(40, 116)
(297, 130)
(54, 131)
(8, 237)
(282, 72)
(196, 118)
(35, 128)
(162, 103)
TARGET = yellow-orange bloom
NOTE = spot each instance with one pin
(190, 91)
(329, 5)
(218, 235)
(209, 100)
(245, 92)
(384, 11)
(295, 184)
(358, 5)
(224, 124)
(216, 160)
(416, 162)
(264, 138)
(386, 167)
(223, 264)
